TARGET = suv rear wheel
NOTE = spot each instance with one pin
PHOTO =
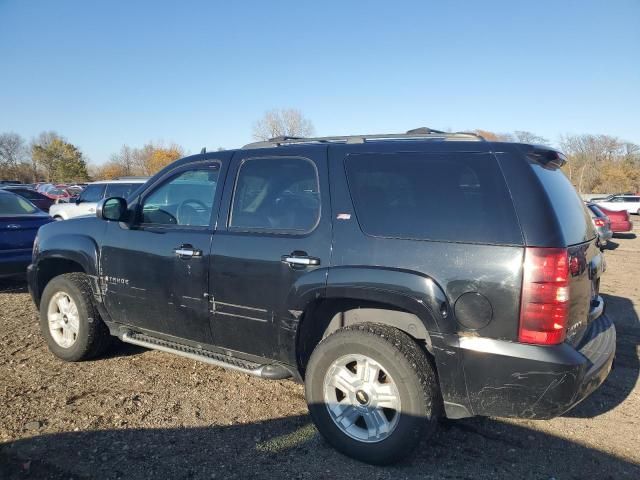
(69, 321)
(372, 392)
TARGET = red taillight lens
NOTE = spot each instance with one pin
(545, 296)
(599, 222)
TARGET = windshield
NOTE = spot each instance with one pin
(15, 205)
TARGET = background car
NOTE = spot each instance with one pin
(85, 203)
(19, 224)
(38, 199)
(629, 203)
(54, 192)
(620, 221)
(601, 223)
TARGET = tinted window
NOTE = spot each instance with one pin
(121, 189)
(14, 205)
(93, 193)
(568, 206)
(449, 197)
(276, 194)
(26, 193)
(185, 199)
(632, 199)
(596, 211)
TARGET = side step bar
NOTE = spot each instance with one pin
(271, 372)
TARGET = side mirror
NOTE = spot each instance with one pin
(112, 208)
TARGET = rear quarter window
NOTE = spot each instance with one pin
(442, 197)
(571, 212)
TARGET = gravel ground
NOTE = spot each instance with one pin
(145, 414)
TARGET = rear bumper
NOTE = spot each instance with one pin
(620, 227)
(508, 379)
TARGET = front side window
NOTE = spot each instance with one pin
(185, 199)
(93, 193)
(276, 194)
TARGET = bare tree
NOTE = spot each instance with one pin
(12, 152)
(528, 137)
(286, 122)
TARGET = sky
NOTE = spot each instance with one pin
(200, 73)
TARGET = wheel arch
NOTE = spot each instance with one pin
(56, 257)
(411, 303)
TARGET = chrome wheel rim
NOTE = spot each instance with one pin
(63, 319)
(362, 398)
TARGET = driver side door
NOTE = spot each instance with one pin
(86, 202)
(156, 269)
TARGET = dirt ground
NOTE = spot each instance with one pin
(145, 414)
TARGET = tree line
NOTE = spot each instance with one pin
(50, 157)
(596, 163)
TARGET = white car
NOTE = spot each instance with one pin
(85, 204)
(618, 203)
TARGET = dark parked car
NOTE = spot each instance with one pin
(39, 200)
(19, 223)
(400, 277)
(601, 223)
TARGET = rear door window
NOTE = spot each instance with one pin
(276, 194)
(569, 208)
(444, 197)
(121, 189)
(93, 193)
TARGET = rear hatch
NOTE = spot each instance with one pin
(586, 261)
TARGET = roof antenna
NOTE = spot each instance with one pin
(203, 151)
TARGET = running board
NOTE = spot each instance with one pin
(271, 372)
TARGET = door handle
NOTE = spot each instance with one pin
(300, 260)
(187, 251)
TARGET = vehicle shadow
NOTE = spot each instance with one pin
(626, 236)
(623, 377)
(291, 448)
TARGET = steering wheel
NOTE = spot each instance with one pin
(190, 213)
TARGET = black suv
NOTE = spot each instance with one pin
(400, 277)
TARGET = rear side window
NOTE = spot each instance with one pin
(15, 205)
(444, 197)
(571, 212)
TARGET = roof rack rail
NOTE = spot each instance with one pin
(415, 134)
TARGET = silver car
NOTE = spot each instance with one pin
(86, 202)
(601, 223)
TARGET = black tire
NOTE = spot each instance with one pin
(93, 336)
(400, 356)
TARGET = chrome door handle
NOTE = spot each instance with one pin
(306, 261)
(187, 251)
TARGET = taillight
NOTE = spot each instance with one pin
(545, 296)
(599, 222)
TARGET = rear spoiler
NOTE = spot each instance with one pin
(546, 155)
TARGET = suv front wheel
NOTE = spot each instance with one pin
(69, 321)
(372, 392)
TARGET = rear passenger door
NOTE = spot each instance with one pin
(274, 245)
